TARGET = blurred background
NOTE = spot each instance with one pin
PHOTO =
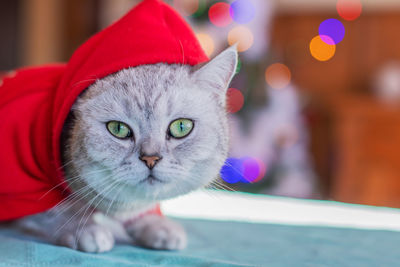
(314, 107)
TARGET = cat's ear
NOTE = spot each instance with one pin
(219, 72)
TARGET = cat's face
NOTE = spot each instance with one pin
(151, 132)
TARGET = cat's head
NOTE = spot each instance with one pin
(151, 132)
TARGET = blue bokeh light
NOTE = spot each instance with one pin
(242, 11)
(231, 172)
(244, 170)
(332, 28)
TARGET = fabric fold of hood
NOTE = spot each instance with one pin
(35, 102)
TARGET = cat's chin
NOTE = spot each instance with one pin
(152, 180)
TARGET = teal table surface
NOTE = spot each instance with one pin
(223, 243)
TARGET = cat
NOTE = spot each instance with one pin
(132, 139)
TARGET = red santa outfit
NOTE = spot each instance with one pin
(34, 102)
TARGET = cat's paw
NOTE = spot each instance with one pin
(92, 238)
(156, 232)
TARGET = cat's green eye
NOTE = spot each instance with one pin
(119, 129)
(180, 128)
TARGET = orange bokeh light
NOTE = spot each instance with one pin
(349, 9)
(186, 7)
(242, 36)
(206, 42)
(278, 75)
(320, 50)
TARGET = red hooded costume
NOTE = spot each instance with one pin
(34, 102)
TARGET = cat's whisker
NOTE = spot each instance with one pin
(208, 192)
(98, 171)
(80, 229)
(195, 179)
(80, 194)
(53, 188)
(79, 176)
(102, 194)
(69, 198)
(66, 164)
(115, 197)
(217, 186)
(226, 187)
(79, 211)
(74, 201)
(213, 194)
(68, 181)
(78, 191)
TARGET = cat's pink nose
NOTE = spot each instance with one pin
(150, 161)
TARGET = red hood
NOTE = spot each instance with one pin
(35, 103)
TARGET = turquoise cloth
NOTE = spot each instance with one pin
(215, 243)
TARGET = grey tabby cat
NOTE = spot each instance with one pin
(135, 138)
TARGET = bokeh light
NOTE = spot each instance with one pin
(242, 36)
(278, 76)
(219, 14)
(242, 11)
(202, 8)
(349, 9)
(186, 7)
(332, 28)
(11, 74)
(244, 170)
(251, 169)
(263, 170)
(8, 75)
(320, 50)
(231, 172)
(235, 100)
(288, 135)
(206, 42)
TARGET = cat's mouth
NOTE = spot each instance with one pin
(151, 180)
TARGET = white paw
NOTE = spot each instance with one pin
(158, 232)
(92, 238)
